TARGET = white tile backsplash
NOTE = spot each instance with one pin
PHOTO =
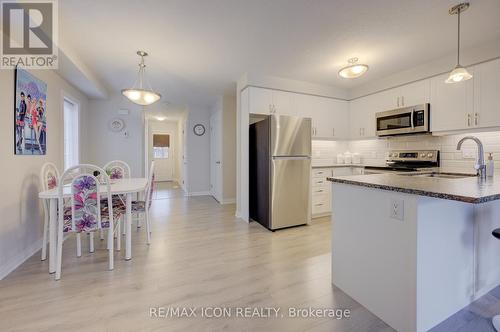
(324, 153)
(373, 150)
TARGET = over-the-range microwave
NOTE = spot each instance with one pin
(407, 120)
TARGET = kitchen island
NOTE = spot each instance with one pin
(415, 249)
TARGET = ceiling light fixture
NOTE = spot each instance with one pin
(161, 118)
(140, 95)
(354, 69)
(458, 74)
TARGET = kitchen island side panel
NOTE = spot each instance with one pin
(374, 255)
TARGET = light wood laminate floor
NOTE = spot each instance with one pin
(200, 256)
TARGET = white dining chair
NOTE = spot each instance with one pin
(88, 213)
(49, 178)
(141, 208)
(117, 169)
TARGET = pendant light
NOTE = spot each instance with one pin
(459, 74)
(353, 70)
(140, 95)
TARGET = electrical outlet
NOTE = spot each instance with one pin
(396, 209)
(469, 153)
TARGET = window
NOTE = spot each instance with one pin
(71, 126)
(161, 146)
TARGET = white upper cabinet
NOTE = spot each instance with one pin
(268, 101)
(260, 100)
(415, 93)
(330, 118)
(362, 117)
(487, 94)
(412, 94)
(283, 102)
(452, 105)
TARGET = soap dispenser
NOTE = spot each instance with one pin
(490, 168)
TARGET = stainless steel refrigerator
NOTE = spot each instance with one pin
(280, 171)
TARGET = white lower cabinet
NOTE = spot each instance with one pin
(321, 187)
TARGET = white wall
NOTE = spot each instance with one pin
(105, 145)
(197, 153)
(22, 221)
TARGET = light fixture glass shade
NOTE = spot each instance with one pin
(141, 96)
(459, 74)
(354, 70)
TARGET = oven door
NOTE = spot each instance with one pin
(407, 120)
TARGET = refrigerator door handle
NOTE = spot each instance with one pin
(291, 157)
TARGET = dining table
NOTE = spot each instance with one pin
(126, 187)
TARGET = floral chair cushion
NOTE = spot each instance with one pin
(51, 180)
(115, 172)
(151, 189)
(84, 192)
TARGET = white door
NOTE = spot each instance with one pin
(163, 155)
(215, 155)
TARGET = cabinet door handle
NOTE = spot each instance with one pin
(468, 120)
(402, 100)
(476, 119)
(359, 131)
(333, 131)
(398, 102)
(320, 204)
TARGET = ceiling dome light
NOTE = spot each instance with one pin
(459, 74)
(141, 96)
(353, 70)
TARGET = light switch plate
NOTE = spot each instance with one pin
(396, 209)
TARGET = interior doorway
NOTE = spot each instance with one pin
(162, 151)
(161, 147)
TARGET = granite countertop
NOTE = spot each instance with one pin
(468, 189)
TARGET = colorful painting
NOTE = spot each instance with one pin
(30, 126)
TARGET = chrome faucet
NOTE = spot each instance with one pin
(480, 165)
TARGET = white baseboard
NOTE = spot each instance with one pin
(228, 201)
(20, 258)
(198, 193)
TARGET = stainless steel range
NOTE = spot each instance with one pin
(401, 161)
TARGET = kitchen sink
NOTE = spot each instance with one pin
(443, 175)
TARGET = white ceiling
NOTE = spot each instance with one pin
(199, 47)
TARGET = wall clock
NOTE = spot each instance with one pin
(116, 125)
(199, 129)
